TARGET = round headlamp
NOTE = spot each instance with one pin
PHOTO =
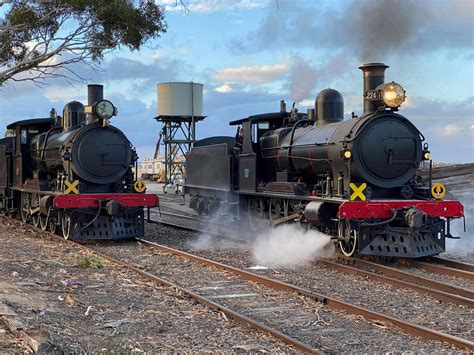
(104, 109)
(393, 95)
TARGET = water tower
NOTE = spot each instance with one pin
(179, 108)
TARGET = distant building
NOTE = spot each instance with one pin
(152, 169)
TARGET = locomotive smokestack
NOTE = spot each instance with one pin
(374, 75)
(94, 93)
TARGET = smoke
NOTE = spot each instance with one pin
(465, 245)
(370, 29)
(301, 79)
(290, 245)
(380, 27)
(304, 77)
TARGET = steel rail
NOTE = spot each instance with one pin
(440, 290)
(205, 301)
(411, 328)
(194, 229)
(452, 263)
(448, 268)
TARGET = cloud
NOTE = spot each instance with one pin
(255, 74)
(206, 6)
(224, 88)
(450, 130)
(370, 29)
(446, 125)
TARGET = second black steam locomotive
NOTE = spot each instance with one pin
(74, 173)
(355, 180)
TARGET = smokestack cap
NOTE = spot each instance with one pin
(373, 69)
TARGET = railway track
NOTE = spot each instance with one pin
(207, 301)
(375, 271)
(442, 266)
(405, 326)
(333, 303)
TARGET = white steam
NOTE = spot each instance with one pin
(465, 245)
(289, 246)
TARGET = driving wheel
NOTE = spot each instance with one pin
(348, 238)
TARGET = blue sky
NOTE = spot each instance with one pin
(251, 54)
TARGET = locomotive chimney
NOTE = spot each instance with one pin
(94, 93)
(374, 75)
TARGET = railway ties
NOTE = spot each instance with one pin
(406, 326)
(440, 290)
(442, 266)
(232, 296)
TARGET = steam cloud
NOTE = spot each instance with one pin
(465, 245)
(289, 246)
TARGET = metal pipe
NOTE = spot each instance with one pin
(94, 93)
(374, 75)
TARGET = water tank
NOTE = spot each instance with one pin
(179, 99)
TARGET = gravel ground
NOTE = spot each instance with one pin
(304, 319)
(42, 281)
(10, 344)
(409, 305)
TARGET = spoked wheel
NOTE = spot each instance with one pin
(25, 207)
(52, 222)
(256, 211)
(67, 223)
(43, 222)
(277, 209)
(348, 244)
(35, 214)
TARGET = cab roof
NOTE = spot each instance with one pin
(31, 122)
(264, 117)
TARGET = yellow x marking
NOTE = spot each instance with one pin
(71, 187)
(358, 191)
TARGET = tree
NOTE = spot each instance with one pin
(40, 39)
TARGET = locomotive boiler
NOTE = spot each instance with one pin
(74, 173)
(355, 179)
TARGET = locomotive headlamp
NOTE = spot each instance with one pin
(346, 154)
(393, 95)
(104, 109)
(426, 155)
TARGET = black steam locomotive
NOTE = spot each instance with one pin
(355, 180)
(74, 173)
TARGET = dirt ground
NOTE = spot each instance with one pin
(74, 303)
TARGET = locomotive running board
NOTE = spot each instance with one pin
(385, 208)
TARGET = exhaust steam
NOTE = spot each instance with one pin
(290, 245)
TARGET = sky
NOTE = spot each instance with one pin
(250, 54)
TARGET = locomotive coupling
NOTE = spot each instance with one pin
(113, 207)
(414, 218)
